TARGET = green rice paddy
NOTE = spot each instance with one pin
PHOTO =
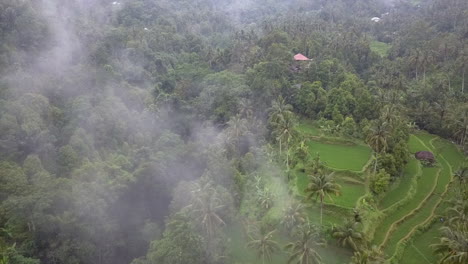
(341, 157)
(399, 192)
(401, 223)
(419, 250)
(425, 185)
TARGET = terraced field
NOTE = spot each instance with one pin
(341, 157)
(400, 225)
(412, 203)
(418, 251)
(351, 189)
(399, 192)
(425, 185)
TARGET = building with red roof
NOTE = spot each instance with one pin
(300, 57)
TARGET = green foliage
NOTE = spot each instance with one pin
(379, 182)
(179, 244)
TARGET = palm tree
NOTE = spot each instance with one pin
(206, 208)
(293, 215)
(280, 110)
(377, 136)
(415, 60)
(316, 165)
(377, 139)
(348, 235)
(368, 256)
(458, 211)
(458, 123)
(245, 108)
(284, 132)
(322, 185)
(237, 127)
(453, 244)
(264, 244)
(265, 197)
(303, 250)
(427, 57)
(302, 151)
(462, 176)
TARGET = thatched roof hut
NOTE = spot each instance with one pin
(425, 156)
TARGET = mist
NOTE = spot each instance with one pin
(155, 131)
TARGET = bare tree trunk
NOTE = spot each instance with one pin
(280, 146)
(463, 79)
(321, 210)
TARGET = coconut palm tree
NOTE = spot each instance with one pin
(322, 185)
(245, 108)
(458, 123)
(284, 132)
(462, 176)
(377, 139)
(293, 215)
(303, 250)
(348, 235)
(279, 110)
(237, 128)
(264, 244)
(316, 165)
(373, 255)
(453, 244)
(206, 208)
(377, 136)
(458, 212)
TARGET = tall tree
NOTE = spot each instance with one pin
(264, 244)
(322, 185)
(348, 235)
(303, 251)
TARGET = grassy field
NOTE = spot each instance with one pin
(425, 184)
(239, 253)
(419, 251)
(341, 157)
(380, 48)
(351, 191)
(346, 156)
(405, 227)
(415, 145)
(306, 127)
(399, 191)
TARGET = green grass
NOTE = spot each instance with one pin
(419, 251)
(380, 48)
(341, 157)
(426, 138)
(448, 151)
(332, 215)
(307, 127)
(401, 189)
(406, 227)
(350, 191)
(415, 145)
(239, 253)
(425, 184)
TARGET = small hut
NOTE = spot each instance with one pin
(425, 156)
(300, 57)
(298, 63)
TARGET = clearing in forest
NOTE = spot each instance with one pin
(401, 225)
